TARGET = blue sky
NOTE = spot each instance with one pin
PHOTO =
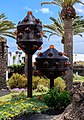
(16, 10)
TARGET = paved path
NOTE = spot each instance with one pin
(4, 92)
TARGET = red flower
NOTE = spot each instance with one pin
(39, 97)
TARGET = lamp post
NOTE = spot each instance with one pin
(52, 64)
(29, 39)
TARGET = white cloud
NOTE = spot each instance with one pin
(79, 8)
(27, 8)
(45, 11)
(82, 1)
(36, 11)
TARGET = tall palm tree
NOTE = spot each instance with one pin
(6, 29)
(57, 27)
(67, 14)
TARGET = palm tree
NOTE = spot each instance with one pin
(6, 29)
(57, 27)
(67, 14)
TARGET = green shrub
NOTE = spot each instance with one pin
(40, 81)
(60, 83)
(19, 96)
(17, 81)
(78, 78)
(57, 99)
(20, 81)
(18, 68)
(42, 88)
(37, 81)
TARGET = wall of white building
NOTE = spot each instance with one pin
(17, 58)
(78, 57)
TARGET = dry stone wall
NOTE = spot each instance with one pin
(3, 63)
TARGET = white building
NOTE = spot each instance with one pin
(78, 57)
(17, 58)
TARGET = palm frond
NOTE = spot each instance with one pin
(56, 22)
(2, 16)
(53, 34)
(52, 2)
(57, 27)
(53, 28)
(8, 35)
(79, 34)
(6, 27)
(80, 2)
(47, 31)
(49, 27)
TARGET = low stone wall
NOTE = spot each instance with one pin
(78, 84)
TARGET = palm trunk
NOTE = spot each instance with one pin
(68, 48)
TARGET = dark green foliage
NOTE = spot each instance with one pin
(57, 99)
(18, 68)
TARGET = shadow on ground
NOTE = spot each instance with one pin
(48, 115)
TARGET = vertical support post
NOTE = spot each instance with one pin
(29, 76)
(51, 83)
